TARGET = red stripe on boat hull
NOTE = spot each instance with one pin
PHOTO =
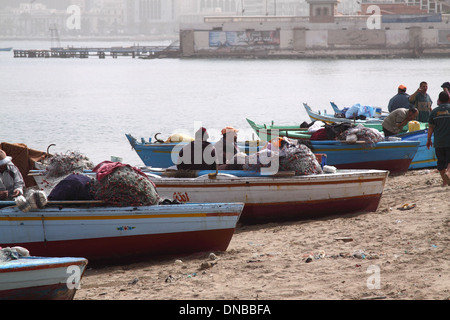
(58, 291)
(394, 166)
(117, 248)
(254, 213)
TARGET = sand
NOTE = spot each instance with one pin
(390, 254)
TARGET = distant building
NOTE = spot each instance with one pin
(322, 11)
(325, 33)
(21, 18)
(407, 6)
(130, 17)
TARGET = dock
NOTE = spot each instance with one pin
(143, 52)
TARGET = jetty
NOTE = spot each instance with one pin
(142, 52)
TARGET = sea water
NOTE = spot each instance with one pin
(88, 105)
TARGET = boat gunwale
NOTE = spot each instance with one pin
(34, 263)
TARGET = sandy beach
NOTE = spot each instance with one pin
(390, 254)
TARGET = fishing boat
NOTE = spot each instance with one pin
(271, 199)
(375, 123)
(268, 132)
(41, 278)
(279, 197)
(395, 156)
(101, 233)
(424, 158)
(6, 49)
(378, 113)
(165, 154)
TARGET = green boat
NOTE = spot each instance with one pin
(264, 131)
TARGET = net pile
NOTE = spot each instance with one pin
(369, 135)
(124, 186)
(288, 157)
(264, 158)
(63, 164)
(299, 159)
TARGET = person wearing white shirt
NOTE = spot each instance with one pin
(11, 180)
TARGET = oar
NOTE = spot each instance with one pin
(5, 203)
(62, 202)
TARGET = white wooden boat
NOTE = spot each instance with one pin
(282, 198)
(375, 123)
(104, 233)
(273, 198)
(40, 278)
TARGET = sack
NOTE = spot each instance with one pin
(179, 137)
(359, 110)
(73, 187)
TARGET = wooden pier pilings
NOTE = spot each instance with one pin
(144, 52)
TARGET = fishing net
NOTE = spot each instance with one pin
(63, 164)
(299, 159)
(264, 158)
(125, 186)
(369, 135)
(290, 157)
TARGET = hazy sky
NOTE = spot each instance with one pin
(54, 4)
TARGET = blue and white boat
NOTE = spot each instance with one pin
(103, 233)
(424, 158)
(394, 156)
(385, 155)
(41, 278)
(162, 155)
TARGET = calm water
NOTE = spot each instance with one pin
(88, 105)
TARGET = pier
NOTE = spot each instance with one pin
(143, 52)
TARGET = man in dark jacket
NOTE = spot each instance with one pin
(400, 100)
(199, 154)
(439, 125)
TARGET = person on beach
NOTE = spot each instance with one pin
(400, 100)
(445, 88)
(11, 180)
(422, 102)
(199, 154)
(227, 146)
(397, 119)
(439, 124)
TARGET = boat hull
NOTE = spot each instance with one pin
(269, 199)
(111, 233)
(277, 199)
(395, 156)
(424, 158)
(371, 123)
(164, 155)
(36, 278)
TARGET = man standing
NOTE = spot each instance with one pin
(400, 100)
(11, 180)
(445, 87)
(422, 102)
(439, 124)
(397, 119)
